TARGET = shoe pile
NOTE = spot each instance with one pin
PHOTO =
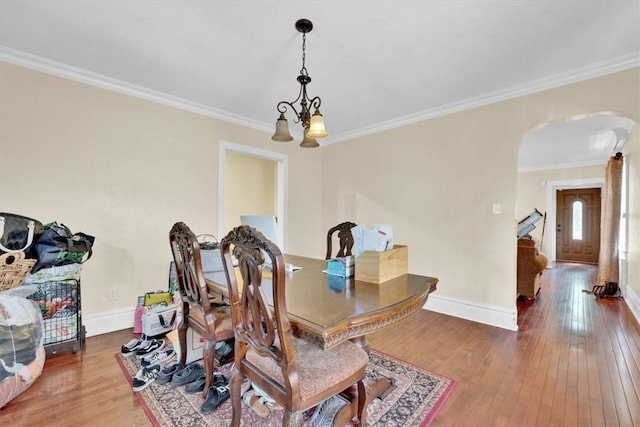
(157, 363)
(193, 378)
(152, 357)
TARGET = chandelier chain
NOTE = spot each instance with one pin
(303, 70)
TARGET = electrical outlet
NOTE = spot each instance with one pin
(112, 295)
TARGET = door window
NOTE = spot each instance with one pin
(577, 209)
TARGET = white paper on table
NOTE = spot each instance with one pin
(377, 239)
(356, 233)
(385, 236)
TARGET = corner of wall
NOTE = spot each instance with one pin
(489, 315)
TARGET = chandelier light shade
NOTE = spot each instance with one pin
(282, 130)
(309, 142)
(313, 124)
(316, 126)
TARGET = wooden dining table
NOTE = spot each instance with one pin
(328, 310)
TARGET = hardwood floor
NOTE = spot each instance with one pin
(574, 362)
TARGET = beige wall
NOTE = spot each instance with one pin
(125, 169)
(258, 180)
(436, 181)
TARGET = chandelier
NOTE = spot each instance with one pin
(313, 124)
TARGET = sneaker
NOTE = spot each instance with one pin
(189, 374)
(197, 385)
(166, 374)
(129, 348)
(144, 377)
(152, 346)
(157, 356)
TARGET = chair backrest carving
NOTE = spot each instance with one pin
(186, 255)
(344, 237)
(264, 329)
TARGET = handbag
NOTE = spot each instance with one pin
(210, 253)
(17, 233)
(152, 298)
(159, 320)
(57, 246)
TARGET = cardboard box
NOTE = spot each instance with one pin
(195, 344)
(378, 267)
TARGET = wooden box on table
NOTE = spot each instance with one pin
(379, 267)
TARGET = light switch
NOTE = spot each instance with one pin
(496, 208)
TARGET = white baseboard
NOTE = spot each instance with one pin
(498, 316)
(108, 321)
(489, 315)
(116, 320)
(633, 302)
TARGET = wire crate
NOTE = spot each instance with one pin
(59, 303)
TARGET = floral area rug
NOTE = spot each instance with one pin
(414, 399)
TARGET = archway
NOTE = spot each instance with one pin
(563, 154)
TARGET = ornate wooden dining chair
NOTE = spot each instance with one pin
(345, 238)
(295, 373)
(210, 319)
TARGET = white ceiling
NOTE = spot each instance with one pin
(578, 141)
(375, 64)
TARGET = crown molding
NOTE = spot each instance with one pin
(566, 165)
(44, 65)
(599, 69)
(27, 60)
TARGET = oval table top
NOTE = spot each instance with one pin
(328, 310)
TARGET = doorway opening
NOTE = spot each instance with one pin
(267, 182)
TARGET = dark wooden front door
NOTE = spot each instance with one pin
(578, 225)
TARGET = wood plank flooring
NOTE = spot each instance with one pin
(574, 362)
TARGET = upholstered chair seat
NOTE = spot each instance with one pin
(222, 316)
(318, 370)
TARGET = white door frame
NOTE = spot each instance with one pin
(282, 167)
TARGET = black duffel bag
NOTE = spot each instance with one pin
(18, 233)
(57, 246)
